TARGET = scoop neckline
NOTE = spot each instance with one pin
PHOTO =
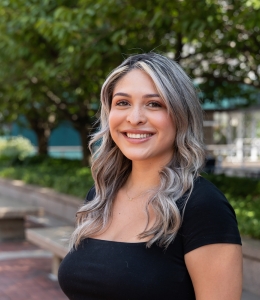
(116, 242)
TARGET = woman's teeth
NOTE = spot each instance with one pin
(138, 136)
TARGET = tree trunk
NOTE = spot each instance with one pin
(42, 130)
(42, 139)
(179, 48)
(83, 131)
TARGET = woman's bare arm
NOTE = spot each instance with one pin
(216, 271)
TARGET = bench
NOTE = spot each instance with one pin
(55, 240)
(13, 214)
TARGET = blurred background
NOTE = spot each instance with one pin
(55, 55)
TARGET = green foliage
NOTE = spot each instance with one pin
(248, 214)
(15, 147)
(236, 186)
(244, 195)
(63, 175)
(61, 51)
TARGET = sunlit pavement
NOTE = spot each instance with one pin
(24, 273)
(248, 296)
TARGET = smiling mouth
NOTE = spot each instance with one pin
(138, 135)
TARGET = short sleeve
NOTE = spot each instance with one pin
(208, 218)
(90, 195)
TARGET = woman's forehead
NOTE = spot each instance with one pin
(135, 80)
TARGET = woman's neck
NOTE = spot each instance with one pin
(143, 177)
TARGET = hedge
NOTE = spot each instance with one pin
(63, 175)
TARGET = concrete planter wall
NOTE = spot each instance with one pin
(65, 207)
(59, 205)
(251, 265)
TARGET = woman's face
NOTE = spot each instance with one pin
(139, 122)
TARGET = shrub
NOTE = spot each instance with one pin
(248, 214)
(64, 175)
(15, 147)
(244, 196)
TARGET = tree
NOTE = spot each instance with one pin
(69, 48)
(21, 102)
(226, 57)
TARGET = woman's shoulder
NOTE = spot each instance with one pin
(205, 193)
(207, 199)
(208, 217)
(90, 195)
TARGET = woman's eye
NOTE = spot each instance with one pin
(121, 103)
(154, 104)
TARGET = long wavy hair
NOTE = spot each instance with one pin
(110, 168)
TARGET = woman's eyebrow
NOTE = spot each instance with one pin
(122, 94)
(144, 96)
(151, 96)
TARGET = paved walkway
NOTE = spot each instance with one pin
(248, 296)
(24, 273)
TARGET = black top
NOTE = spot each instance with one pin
(110, 270)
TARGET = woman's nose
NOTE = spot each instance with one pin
(136, 115)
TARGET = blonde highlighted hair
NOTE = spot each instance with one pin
(110, 168)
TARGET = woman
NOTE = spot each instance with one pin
(152, 228)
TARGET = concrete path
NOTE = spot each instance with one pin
(249, 296)
(24, 273)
